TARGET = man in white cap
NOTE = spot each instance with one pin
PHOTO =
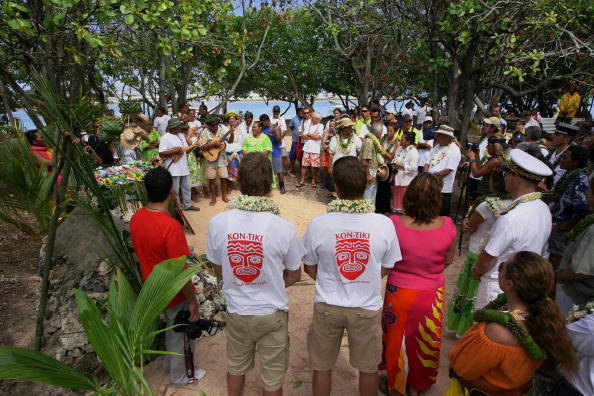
(490, 127)
(524, 225)
(443, 161)
(560, 140)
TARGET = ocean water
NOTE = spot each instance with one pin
(324, 107)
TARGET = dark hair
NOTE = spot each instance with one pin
(248, 114)
(163, 110)
(255, 175)
(350, 176)
(375, 110)
(498, 181)
(533, 149)
(337, 109)
(579, 154)
(202, 106)
(158, 182)
(375, 101)
(411, 136)
(533, 278)
(422, 199)
(31, 134)
(393, 125)
(533, 132)
(264, 117)
(299, 109)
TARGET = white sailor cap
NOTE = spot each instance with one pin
(524, 165)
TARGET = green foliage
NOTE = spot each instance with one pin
(24, 189)
(121, 340)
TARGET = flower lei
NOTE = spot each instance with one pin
(526, 198)
(578, 228)
(580, 311)
(492, 313)
(351, 206)
(391, 146)
(442, 155)
(378, 146)
(565, 181)
(253, 204)
(491, 200)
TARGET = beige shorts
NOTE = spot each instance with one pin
(270, 335)
(364, 337)
(221, 172)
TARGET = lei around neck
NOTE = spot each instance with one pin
(492, 313)
(351, 206)
(253, 204)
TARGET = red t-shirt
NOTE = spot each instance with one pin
(156, 237)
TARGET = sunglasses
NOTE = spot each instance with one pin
(364, 111)
(306, 112)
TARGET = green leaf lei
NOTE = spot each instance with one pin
(483, 198)
(391, 146)
(577, 229)
(491, 313)
(351, 206)
(253, 204)
(565, 181)
(376, 143)
(345, 146)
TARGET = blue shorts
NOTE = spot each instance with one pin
(293, 153)
(277, 165)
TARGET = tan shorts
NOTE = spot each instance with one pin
(270, 335)
(364, 337)
(221, 172)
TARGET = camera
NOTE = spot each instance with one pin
(196, 329)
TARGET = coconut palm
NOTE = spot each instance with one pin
(121, 341)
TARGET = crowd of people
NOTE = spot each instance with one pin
(529, 265)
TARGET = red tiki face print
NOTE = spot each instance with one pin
(246, 258)
(352, 253)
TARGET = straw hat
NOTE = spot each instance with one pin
(344, 123)
(131, 136)
(446, 130)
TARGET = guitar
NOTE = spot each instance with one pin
(213, 153)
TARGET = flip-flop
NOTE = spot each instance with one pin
(299, 185)
(314, 185)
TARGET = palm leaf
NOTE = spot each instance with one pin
(29, 365)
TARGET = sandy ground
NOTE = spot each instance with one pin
(298, 206)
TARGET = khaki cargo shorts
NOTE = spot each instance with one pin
(221, 172)
(364, 336)
(270, 335)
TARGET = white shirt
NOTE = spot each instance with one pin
(283, 127)
(410, 112)
(581, 333)
(424, 153)
(481, 154)
(350, 251)
(168, 142)
(245, 129)
(558, 173)
(422, 114)
(161, 123)
(482, 230)
(237, 144)
(532, 121)
(339, 152)
(314, 146)
(410, 158)
(445, 157)
(253, 248)
(526, 227)
(365, 130)
(194, 124)
(128, 155)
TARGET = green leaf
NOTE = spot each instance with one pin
(297, 384)
(28, 365)
(129, 19)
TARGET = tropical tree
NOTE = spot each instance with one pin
(121, 341)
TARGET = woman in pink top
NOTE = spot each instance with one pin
(414, 302)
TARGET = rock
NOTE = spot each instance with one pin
(104, 268)
(91, 283)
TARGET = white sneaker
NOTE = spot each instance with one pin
(199, 374)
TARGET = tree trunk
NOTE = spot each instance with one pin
(162, 81)
(6, 104)
(51, 239)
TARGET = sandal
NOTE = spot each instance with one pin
(314, 185)
(299, 185)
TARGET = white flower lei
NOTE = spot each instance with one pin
(253, 204)
(580, 311)
(441, 155)
(351, 206)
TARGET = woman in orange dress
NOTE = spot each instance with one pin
(514, 334)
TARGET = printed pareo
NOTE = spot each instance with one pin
(411, 319)
(459, 312)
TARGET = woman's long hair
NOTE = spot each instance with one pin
(534, 279)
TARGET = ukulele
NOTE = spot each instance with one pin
(213, 153)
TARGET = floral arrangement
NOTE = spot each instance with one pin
(351, 206)
(123, 174)
(378, 146)
(441, 155)
(253, 204)
(580, 311)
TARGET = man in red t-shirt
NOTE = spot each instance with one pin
(156, 237)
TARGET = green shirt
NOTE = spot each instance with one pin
(360, 123)
(148, 155)
(257, 145)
